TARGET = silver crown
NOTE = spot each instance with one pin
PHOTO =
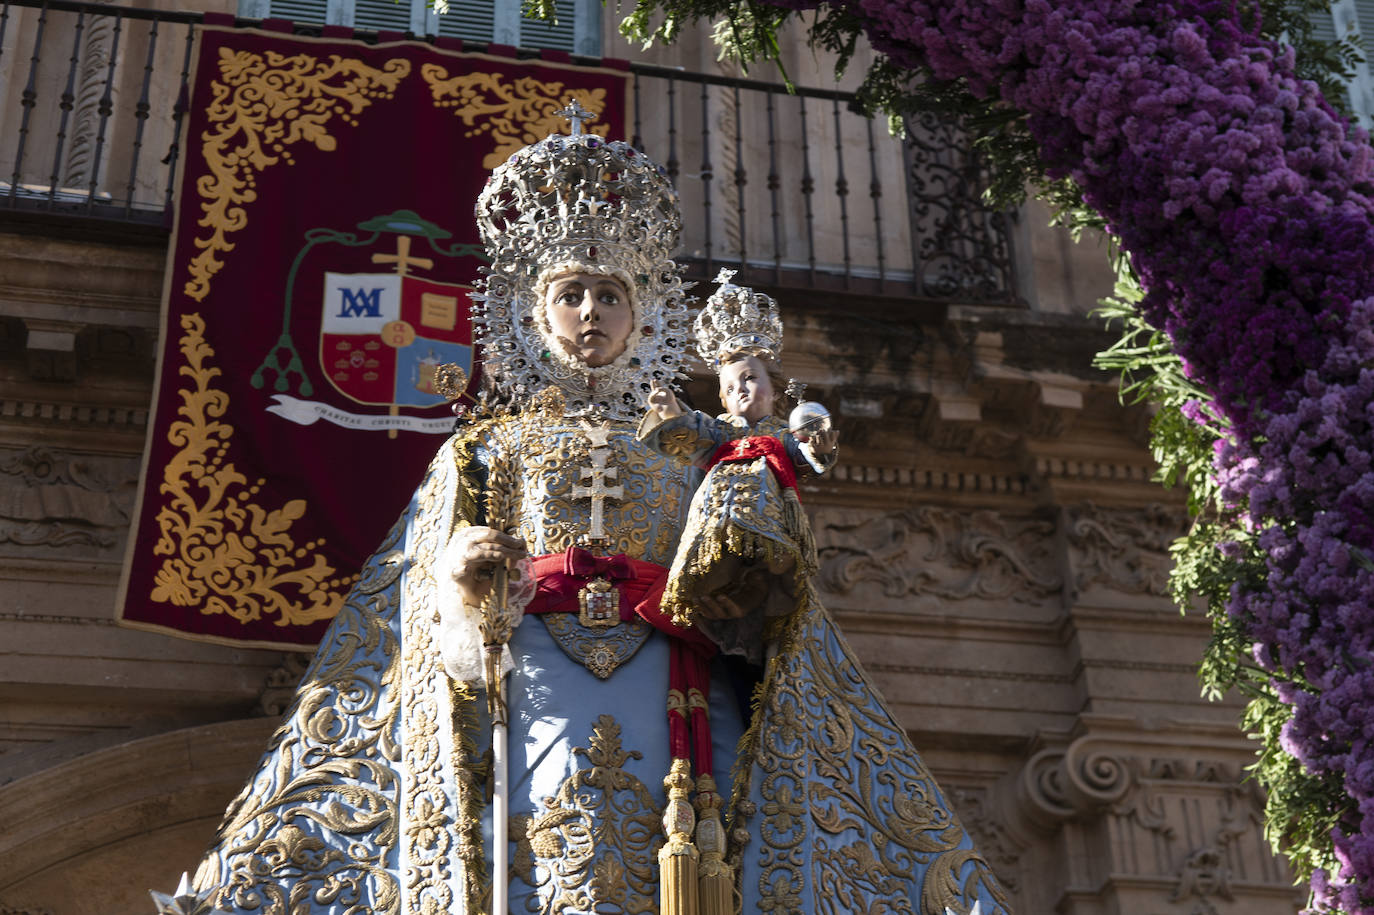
(738, 321)
(580, 204)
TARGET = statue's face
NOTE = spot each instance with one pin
(590, 315)
(745, 388)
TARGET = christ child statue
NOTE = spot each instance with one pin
(746, 554)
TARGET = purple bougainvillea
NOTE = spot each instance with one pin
(1244, 202)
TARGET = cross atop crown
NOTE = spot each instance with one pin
(575, 113)
(725, 275)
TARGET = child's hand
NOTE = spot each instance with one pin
(662, 401)
(824, 443)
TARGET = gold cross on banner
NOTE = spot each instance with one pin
(402, 258)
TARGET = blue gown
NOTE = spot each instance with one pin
(372, 798)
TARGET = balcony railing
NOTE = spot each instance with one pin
(796, 187)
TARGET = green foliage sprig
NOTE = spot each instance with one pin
(1214, 555)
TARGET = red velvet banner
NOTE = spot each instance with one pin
(323, 250)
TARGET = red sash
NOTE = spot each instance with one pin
(560, 577)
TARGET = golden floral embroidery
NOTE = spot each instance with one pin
(263, 105)
(740, 517)
(336, 755)
(595, 848)
(552, 454)
(441, 842)
(682, 442)
(515, 113)
(224, 552)
(835, 775)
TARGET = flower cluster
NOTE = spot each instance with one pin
(1244, 202)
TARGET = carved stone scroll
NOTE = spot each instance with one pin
(55, 501)
(1184, 833)
(1125, 549)
(938, 553)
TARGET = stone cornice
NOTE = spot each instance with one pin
(96, 416)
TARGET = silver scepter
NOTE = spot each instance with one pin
(495, 628)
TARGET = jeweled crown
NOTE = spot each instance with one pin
(582, 199)
(738, 321)
(580, 203)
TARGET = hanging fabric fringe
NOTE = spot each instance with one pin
(677, 859)
(712, 534)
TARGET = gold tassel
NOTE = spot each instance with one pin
(677, 859)
(717, 879)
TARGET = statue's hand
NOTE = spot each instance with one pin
(824, 443)
(662, 401)
(474, 554)
(749, 589)
(720, 607)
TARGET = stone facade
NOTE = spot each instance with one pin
(991, 544)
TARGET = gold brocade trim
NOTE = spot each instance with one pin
(320, 820)
(696, 699)
(432, 715)
(601, 651)
(595, 847)
(264, 104)
(225, 552)
(515, 113)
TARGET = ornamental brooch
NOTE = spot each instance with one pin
(600, 605)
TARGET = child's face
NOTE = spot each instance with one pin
(745, 389)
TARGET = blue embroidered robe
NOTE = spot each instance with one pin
(371, 797)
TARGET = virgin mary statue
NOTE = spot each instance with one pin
(375, 795)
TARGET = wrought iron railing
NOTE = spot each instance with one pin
(795, 186)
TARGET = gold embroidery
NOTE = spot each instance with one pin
(739, 516)
(516, 113)
(682, 442)
(943, 890)
(262, 106)
(599, 653)
(435, 715)
(335, 759)
(550, 454)
(225, 553)
(595, 848)
(838, 776)
(669, 520)
(650, 513)
(695, 699)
